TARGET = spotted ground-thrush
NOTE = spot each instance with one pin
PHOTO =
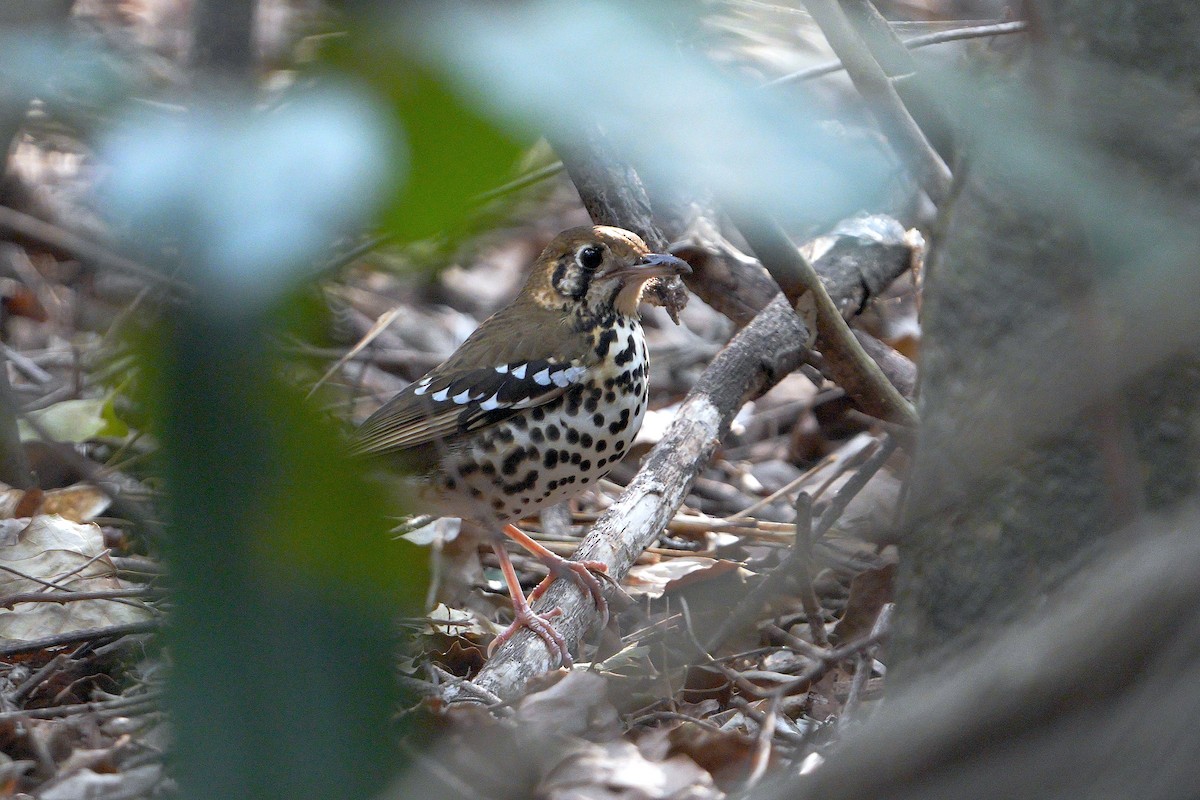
(538, 403)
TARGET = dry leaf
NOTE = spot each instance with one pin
(618, 771)
(71, 556)
(869, 591)
(655, 580)
(82, 502)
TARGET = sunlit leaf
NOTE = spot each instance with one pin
(76, 421)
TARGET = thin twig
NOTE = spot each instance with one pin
(337, 262)
(797, 565)
(72, 597)
(61, 239)
(673, 716)
(853, 486)
(126, 705)
(885, 103)
(762, 746)
(75, 637)
(862, 670)
(916, 42)
(26, 366)
(520, 182)
(381, 324)
(26, 687)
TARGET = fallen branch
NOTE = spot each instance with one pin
(850, 365)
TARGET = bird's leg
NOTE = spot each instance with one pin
(524, 616)
(579, 571)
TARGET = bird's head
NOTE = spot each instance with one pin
(598, 269)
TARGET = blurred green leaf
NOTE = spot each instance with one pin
(286, 580)
(453, 150)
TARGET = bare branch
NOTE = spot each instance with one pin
(941, 37)
(890, 112)
(851, 367)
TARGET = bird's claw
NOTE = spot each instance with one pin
(583, 573)
(526, 617)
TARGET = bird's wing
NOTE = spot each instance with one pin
(492, 376)
(452, 402)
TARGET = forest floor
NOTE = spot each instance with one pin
(695, 688)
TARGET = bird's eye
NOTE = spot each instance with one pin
(589, 257)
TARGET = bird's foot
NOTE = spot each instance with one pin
(583, 573)
(526, 617)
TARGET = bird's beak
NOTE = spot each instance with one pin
(653, 265)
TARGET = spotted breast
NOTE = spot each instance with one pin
(548, 453)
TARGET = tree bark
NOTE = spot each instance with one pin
(1008, 496)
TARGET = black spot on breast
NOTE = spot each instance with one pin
(601, 445)
(509, 465)
(518, 422)
(488, 468)
(605, 341)
(538, 414)
(591, 404)
(550, 459)
(626, 355)
(585, 465)
(610, 396)
(598, 419)
(552, 485)
(572, 436)
(552, 433)
(504, 435)
(585, 439)
(575, 457)
(574, 398)
(619, 446)
(476, 493)
(602, 462)
(524, 485)
(610, 383)
(536, 435)
(467, 468)
(451, 484)
(497, 503)
(621, 423)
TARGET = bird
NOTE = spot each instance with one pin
(539, 402)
